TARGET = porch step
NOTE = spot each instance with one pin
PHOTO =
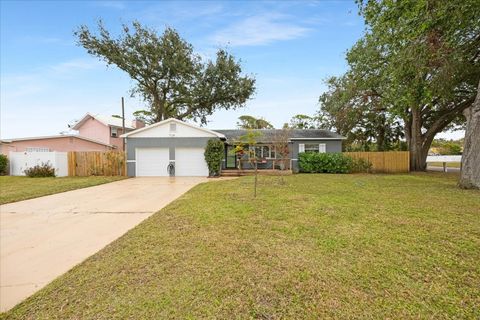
(263, 172)
(232, 173)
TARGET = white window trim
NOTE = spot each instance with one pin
(312, 144)
(270, 147)
(322, 148)
(112, 131)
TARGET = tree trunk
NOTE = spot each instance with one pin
(381, 132)
(418, 150)
(381, 139)
(158, 108)
(470, 175)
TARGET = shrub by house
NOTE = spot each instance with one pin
(214, 154)
(41, 170)
(331, 163)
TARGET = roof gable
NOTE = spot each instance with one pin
(162, 130)
(60, 136)
(105, 120)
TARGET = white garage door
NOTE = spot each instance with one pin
(190, 162)
(152, 162)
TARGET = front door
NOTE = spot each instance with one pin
(231, 157)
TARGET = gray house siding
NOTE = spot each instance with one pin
(247, 165)
(171, 143)
(330, 145)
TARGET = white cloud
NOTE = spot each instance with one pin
(43, 100)
(278, 98)
(186, 12)
(176, 12)
(74, 65)
(25, 84)
(259, 30)
(40, 39)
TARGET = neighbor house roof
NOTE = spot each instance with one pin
(57, 137)
(106, 120)
(269, 135)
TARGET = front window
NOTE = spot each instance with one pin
(258, 152)
(312, 147)
(315, 147)
(264, 152)
(113, 132)
(272, 153)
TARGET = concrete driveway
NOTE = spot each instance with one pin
(43, 238)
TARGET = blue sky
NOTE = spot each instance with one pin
(47, 81)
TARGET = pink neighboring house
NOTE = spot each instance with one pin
(106, 129)
(67, 142)
(96, 133)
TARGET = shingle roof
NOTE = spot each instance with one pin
(268, 135)
(146, 128)
(69, 135)
(106, 120)
(113, 121)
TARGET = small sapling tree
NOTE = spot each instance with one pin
(247, 146)
(280, 143)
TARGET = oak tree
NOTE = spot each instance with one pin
(250, 122)
(429, 63)
(419, 60)
(303, 121)
(173, 80)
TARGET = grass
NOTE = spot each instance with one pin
(14, 189)
(314, 246)
(440, 164)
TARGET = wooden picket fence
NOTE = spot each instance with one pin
(387, 162)
(96, 163)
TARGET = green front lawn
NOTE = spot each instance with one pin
(14, 189)
(315, 246)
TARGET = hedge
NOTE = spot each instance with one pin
(331, 163)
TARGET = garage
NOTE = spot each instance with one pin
(190, 162)
(151, 149)
(152, 162)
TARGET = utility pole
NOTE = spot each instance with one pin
(123, 123)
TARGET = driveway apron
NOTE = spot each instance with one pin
(43, 238)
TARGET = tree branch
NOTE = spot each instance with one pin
(444, 120)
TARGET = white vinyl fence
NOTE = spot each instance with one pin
(20, 161)
(444, 159)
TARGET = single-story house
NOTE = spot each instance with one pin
(95, 133)
(62, 142)
(155, 149)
